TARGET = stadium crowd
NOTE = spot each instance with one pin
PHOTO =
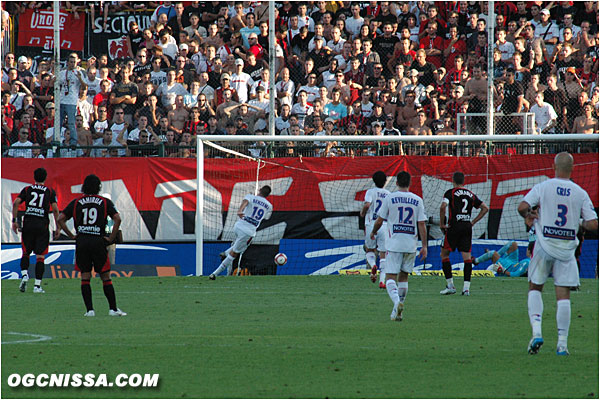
(341, 68)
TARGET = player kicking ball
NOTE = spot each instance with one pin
(561, 204)
(405, 215)
(459, 201)
(373, 200)
(39, 201)
(252, 211)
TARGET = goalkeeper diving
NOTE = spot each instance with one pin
(505, 261)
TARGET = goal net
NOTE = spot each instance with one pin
(318, 192)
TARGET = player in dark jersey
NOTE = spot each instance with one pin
(39, 201)
(458, 231)
(90, 212)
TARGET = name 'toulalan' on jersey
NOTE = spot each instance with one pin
(403, 210)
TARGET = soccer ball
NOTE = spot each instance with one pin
(280, 259)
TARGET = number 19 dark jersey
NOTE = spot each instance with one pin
(38, 199)
(89, 213)
(460, 203)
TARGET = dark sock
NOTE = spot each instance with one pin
(25, 263)
(39, 269)
(447, 268)
(109, 292)
(86, 292)
(467, 270)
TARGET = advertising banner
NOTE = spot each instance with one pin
(112, 40)
(36, 29)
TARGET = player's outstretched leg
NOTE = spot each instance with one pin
(109, 292)
(24, 272)
(535, 307)
(39, 274)
(225, 264)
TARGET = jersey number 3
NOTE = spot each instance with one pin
(562, 215)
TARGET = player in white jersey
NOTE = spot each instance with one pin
(373, 201)
(405, 215)
(252, 211)
(561, 204)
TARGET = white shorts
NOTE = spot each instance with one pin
(379, 242)
(565, 273)
(241, 242)
(396, 262)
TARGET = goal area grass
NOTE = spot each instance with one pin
(299, 337)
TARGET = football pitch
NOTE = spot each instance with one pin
(299, 337)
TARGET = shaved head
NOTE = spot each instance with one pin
(563, 164)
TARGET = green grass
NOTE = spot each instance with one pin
(307, 337)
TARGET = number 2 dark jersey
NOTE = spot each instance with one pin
(460, 203)
(89, 213)
(38, 199)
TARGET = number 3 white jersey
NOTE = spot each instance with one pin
(257, 210)
(562, 202)
(375, 196)
(402, 210)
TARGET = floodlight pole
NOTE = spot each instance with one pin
(272, 45)
(490, 66)
(57, 113)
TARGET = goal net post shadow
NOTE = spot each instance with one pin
(318, 186)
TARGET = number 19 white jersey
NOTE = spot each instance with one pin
(257, 210)
(403, 210)
(562, 202)
(375, 196)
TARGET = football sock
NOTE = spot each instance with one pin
(39, 270)
(467, 270)
(402, 291)
(535, 307)
(563, 320)
(447, 268)
(109, 292)
(450, 282)
(38, 282)
(467, 285)
(25, 274)
(86, 292)
(226, 263)
(371, 259)
(381, 270)
(24, 265)
(392, 290)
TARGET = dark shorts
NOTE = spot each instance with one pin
(35, 238)
(459, 237)
(91, 251)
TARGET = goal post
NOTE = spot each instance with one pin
(317, 199)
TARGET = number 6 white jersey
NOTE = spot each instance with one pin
(375, 196)
(257, 210)
(403, 210)
(562, 202)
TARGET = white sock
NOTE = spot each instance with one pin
(402, 291)
(381, 270)
(563, 320)
(466, 285)
(450, 282)
(535, 306)
(25, 274)
(224, 264)
(38, 282)
(392, 290)
(371, 259)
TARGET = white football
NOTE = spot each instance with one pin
(280, 259)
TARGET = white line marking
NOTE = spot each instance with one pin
(35, 338)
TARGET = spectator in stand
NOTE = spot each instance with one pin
(547, 30)
(586, 123)
(545, 116)
(22, 147)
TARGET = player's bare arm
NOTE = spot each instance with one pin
(365, 208)
(240, 212)
(590, 225)
(55, 212)
(15, 225)
(483, 209)
(62, 223)
(527, 213)
(443, 216)
(376, 227)
(423, 235)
